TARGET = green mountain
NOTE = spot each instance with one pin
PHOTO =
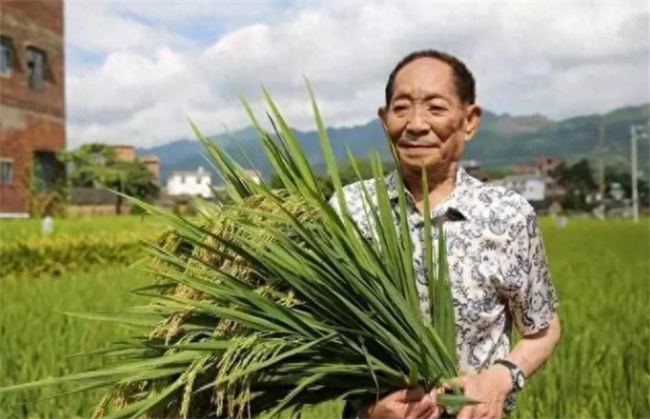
(502, 140)
(571, 139)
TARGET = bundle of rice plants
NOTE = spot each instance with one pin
(278, 301)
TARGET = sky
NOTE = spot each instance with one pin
(137, 71)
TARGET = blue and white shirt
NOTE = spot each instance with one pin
(497, 264)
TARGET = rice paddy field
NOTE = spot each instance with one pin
(21, 230)
(601, 369)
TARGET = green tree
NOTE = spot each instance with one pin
(580, 183)
(95, 165)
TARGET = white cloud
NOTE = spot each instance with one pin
(98, 27)
(559, 59)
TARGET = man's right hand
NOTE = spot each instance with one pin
(405, 404)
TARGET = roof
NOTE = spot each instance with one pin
(191, 173)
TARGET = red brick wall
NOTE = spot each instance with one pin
(31, 120)
(124, 153)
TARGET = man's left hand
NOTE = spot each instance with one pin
(490, 387)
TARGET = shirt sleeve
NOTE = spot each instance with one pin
(528, 287)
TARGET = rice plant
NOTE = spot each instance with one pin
(277, 301)
(601, 369)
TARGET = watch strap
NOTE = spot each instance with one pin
(515, 373)
(508, 364)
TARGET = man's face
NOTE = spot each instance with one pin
(425, 119)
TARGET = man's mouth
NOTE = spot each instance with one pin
(416, 146)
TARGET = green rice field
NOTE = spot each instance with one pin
(601, 369)
(105, 226)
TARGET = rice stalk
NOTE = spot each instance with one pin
(277, 301)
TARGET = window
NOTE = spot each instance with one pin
(47, 171)
(6, 171)
(6, 55)
(35, 68)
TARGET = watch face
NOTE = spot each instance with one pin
(520, 380)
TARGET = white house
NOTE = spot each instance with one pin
(531, 187)
(616, 191)
(190, 183)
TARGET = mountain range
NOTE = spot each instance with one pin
(503, 140)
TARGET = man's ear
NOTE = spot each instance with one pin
(382, 113)
(472, 121)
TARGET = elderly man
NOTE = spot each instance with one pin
(496, 256)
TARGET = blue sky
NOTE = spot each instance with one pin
(136, 70)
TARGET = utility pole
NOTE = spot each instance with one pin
(635, 170)
(602, 146)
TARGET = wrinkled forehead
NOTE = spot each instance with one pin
(423, 78)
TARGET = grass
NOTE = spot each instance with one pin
(601, 369)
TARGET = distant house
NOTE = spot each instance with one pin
(544, 165)
(126, 153)
(616, 192)
(194, 183)
(547, 165)
(531, 187)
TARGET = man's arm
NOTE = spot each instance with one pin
(493, 385)
(532, 301)
(532, 351)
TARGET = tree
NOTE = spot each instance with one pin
(95, 165)
(579, 182)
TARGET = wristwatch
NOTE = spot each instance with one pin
(516, 375)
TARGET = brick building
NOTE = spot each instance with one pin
(32, 100)
(124, 152)
(544, 165)
(127, 153)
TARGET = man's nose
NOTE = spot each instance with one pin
(417, 124)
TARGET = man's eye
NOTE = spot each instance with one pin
(399, 108)
(436, 108)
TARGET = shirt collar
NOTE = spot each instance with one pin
(455, 206)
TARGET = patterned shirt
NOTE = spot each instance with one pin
(497, 264)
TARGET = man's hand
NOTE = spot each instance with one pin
(490, 387)
(405, 404)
